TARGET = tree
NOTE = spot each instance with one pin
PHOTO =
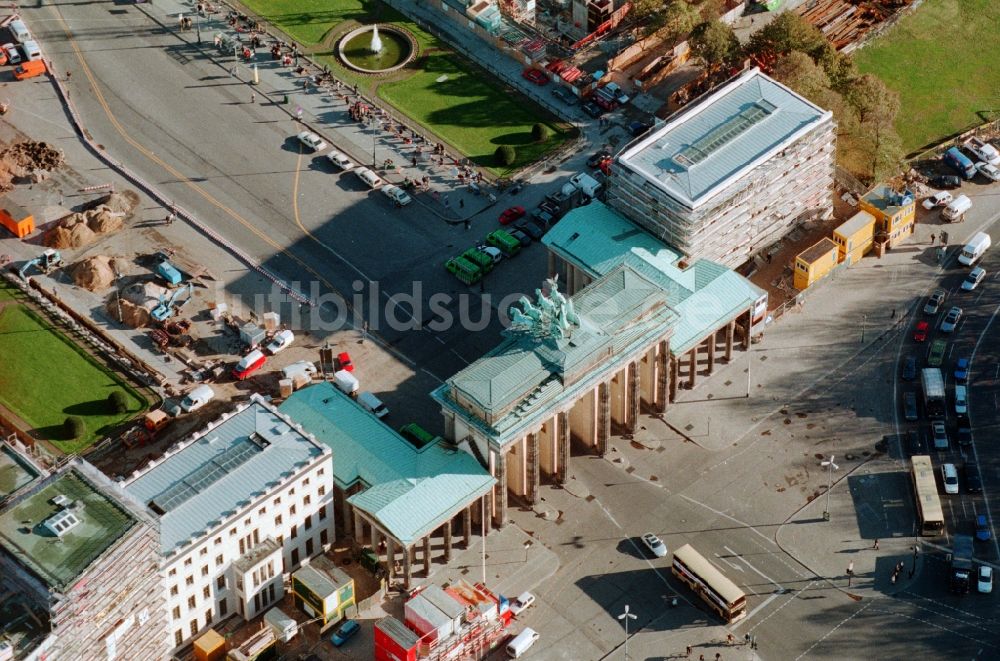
(884, 148)
(118, 402)
(798, 71)
(872, 100)
(540, 132)
(680, 18)
(839, 67)
(714, 42)
(505, 155)
(644, 8)
(74, 427)
(786, 33)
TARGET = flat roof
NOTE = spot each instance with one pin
(324, 581)
(411, 491)
(220, 470)
(854, 223)
(887, 200)
(818, 250)
(705, 295)
(720, 136)
(102, 521)
(16, 470)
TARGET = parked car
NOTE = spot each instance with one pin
(973, 279)
(915, 442)
(595, 159)
(984, 582)
(399, 196)
(564, 95)
(920, 332)
(511, 214)
(13, 55)
(983, 150)
(369, 178)
(961, 400)
(520, 235)
(970, 473)
(593, 109)
(950, 476)
(654, 544)
(523, 602)
(910, 406)
(344, 362)
(281, 341)
(964, 434)
(543, 218)
(989, 171)
(940, 435)
(249, 364)
(197, 398)
(373, 404)
(936, 355)
(345, 632)
(939, 199)
(636, 129)
(531, 229)
(962, 370)
(946, 181)
(340, 160)
(935, 301)
(311, 141)
(536, 76)
(983, 532)
(951, 320)
(910, 368)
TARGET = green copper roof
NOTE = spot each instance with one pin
(410, 491)
(705, 295)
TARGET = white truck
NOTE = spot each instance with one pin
(974, 249)
(956, 208)
(590, 186)
(347, 382)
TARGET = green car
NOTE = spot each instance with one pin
(936, 355)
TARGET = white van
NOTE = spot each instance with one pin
(590, 186)
(31, 51)
(370, 178)
(197, 398)
(346, 382)
(974, 249)
(956, 208)
(19, 30)
(950, 477)
(373, 404)
(522, 643)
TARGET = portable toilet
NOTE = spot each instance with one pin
(17, 220)
(251, 334)
(156, 420)
(210, 646)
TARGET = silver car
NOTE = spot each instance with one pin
(654, 544)
(951, 320)
(935, 301)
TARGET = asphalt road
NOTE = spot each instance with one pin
(173, 113)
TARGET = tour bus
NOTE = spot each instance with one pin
(929, 512)
(709, 583)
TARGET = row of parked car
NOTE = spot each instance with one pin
(342, 162)
(23, 51)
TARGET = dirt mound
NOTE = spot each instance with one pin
(124, 202)
(69, 234)
(94, 273)
(27, 158)
(103, 220)
(134, 316)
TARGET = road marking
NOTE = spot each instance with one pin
(731, 564)
(757, 571)
(975, 453)
(762, 605)
(840, 624)
(731, 518)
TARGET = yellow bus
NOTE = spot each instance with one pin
(709, 583)
(929, 511)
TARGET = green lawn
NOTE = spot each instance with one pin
(44, 377)
(469, 110)
(942, 61)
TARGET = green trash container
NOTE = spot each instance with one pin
(285, 100)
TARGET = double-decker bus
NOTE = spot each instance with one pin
(709, 583)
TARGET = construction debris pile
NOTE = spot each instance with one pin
(27, 159)
(96, 273)
(845, 23)
(80, 229)
(136, 302)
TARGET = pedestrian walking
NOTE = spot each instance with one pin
(893, 315)
(875, 545)
(69, 74)
(701, 657)
(687, 653)
(461, 204)
(467, 224)
(718, 656)
(893, 578)
(746, 638)
(730, 639)
(364, 331)
(912, 569)
(933, 238)
(253, 97)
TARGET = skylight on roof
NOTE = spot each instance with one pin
(724, 133)
(62, 522)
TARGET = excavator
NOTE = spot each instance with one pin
(168, 306)
(46, 262)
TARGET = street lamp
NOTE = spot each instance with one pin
(864, 320)
(829, 486)
(374, 122)
(626, 616)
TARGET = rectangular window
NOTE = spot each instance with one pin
(194, 627)
(208, 617)
(322, 513)
(323, 537)
(246, 523)
(187, 562)
(306, 481)
(206, 592)
(178, 637)
(291, 510)
(204, 570)
(321, 491)
(191, 602)
(270, 591)
(189, 580)
(256, 602)
(277, 501)
(306, 500)
(218, 540)
(262, 511)
(223, 607)
(221, 582)
(256, 537)
(309, 546)
(309, 522)
(218, 560)
(173, 590)
(172, 572)
(295, 532)
(203, 551)
(295, 557)
(232, 532)
(176, 612)
(277, 521)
